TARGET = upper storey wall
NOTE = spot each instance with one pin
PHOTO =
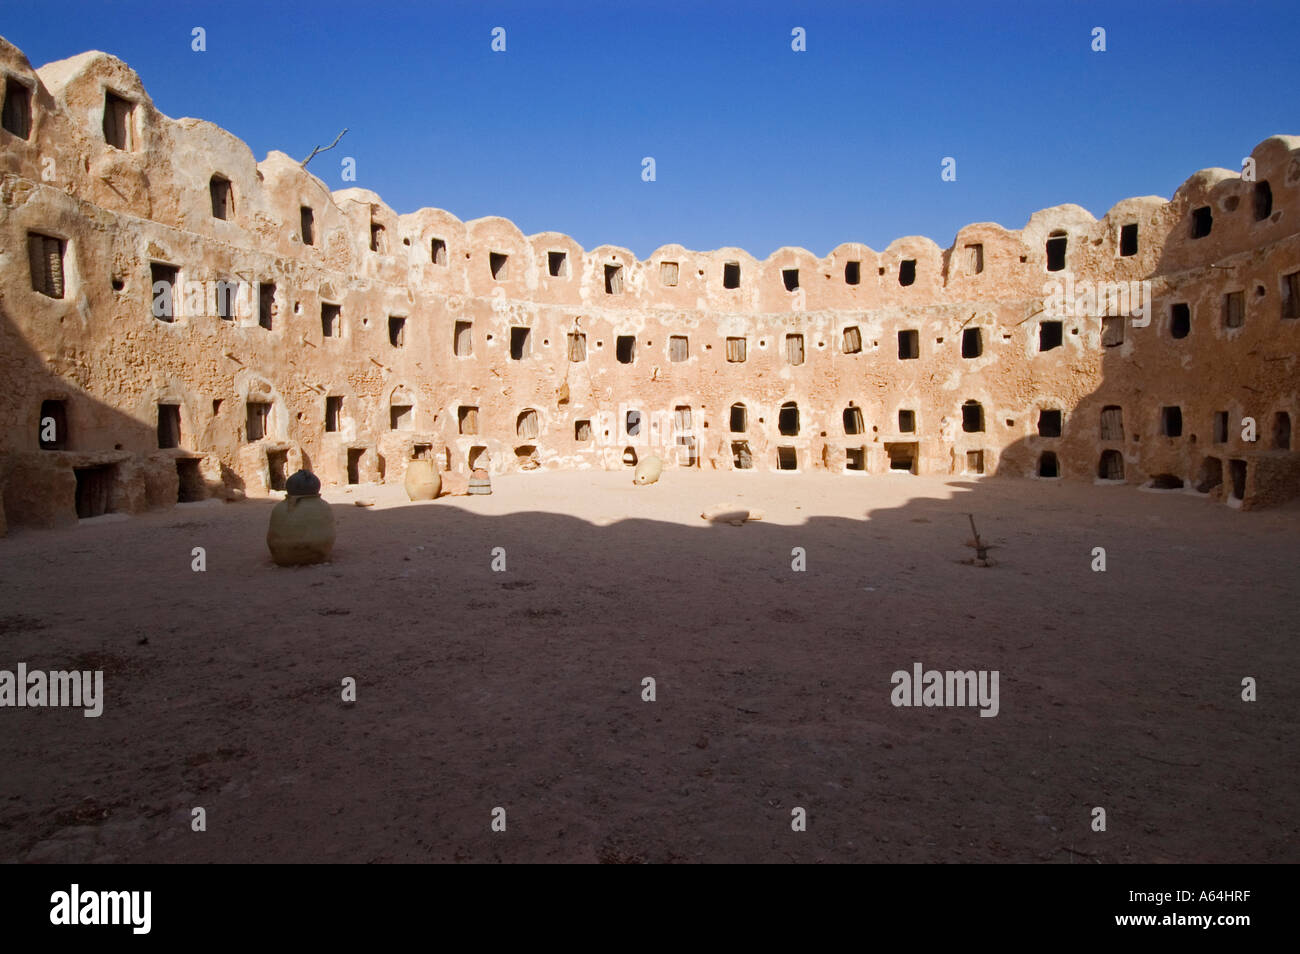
(164, 169)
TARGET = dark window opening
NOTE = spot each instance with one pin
(1049, 423)
(1048, 466)
(497, 264)
(907, 271)
(794, 349)
(787, 421)
(377, 241)
(975, 462)
(1167, 482)
(1171, 421)
(277, 465)
(266, 305)
(526, 424)
(902, 457)
(582, 431)
(354, 464)
(855, 458)
(333, 411)
(189, 481)
(1202, 222)
(613, 279)
(467, 419)
(226, 291)
(163, 280)
(1237, 474)
(668, 273)
(1128, 239)
(625, 349)
(790, 276)
(909, 345)
(45, 255)
(17, 117)
(577, 346)
(1056, 246)
(1211, 475)
(731, 275)
(1291, 296)
(629, 456)
(787, 458)
(741, 458)
(632, 423)
(169, 425)
(438, 251)
(1112, 331)
(52, 428)
(1263, 200)
(1112, 423)
(1220, 427)
(1111, 465)
(853, 423)
(555, 262)
(258, 415)
(852, 340)
(396, 331)
(1281, 431)
(972, 343)
(739, 419)
(526, 456)
(1234, 309)
(678, 348)
(1180, 320)
(331, 321)
(1050, 335)
(972, 417)
(223, 197)
(520, 343)
(462, 339)
(907, 422)
(118, 115)
(307, 225)
(852, 273)
(401, 417)
(94, 495)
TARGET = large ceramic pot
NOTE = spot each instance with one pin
(648, 471)
(423, 482)
(301, 531)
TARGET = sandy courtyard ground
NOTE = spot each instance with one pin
(522, 689)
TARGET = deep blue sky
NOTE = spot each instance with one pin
(756, 146)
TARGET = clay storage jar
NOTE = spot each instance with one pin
(302, 525)
(423, 482)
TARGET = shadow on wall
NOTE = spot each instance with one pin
(54, 466)
(1180, 397)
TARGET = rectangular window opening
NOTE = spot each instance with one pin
(794, 349)
(45, 255)
(497, 264)
(1051, 334)
(679, 348)
(852, 273)
(307, 225)
(909, 345)
(169, 425)
(1128, 239)
(520, 343)
(668, 273)
(557, 264)
(266, 305)
(974, 258)
(17, 116)
(462, 340)
(119, 115)
(333, 413)
(331, 320)
(731, 275)
(467, 419)
(613, 279)
(625, 349)
(396, 331)
(438, 251)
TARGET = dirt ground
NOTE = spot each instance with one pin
(522, 689)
